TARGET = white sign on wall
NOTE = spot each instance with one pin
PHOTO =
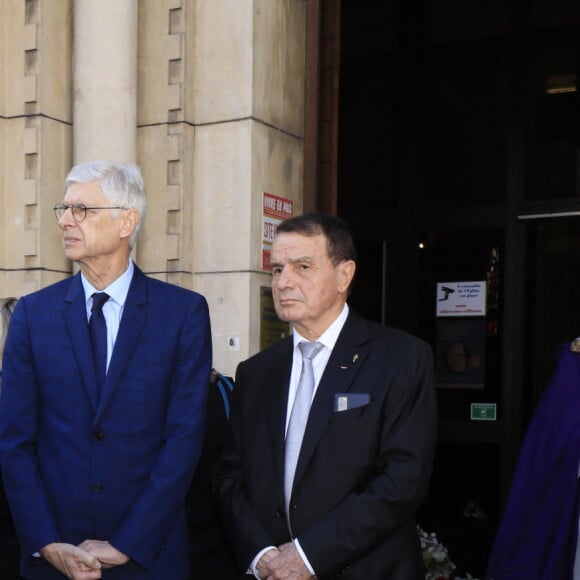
(460, 298)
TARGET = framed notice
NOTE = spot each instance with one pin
(272, 329)
(483, 411)
(460, 299)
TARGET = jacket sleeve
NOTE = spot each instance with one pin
(388, 501)
(142, 534)
(24, 488)
(248, 536)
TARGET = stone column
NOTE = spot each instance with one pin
(105, 80)
(248, 109)
(35, 140)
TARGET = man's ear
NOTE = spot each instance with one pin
(345, 274)
(130, 219)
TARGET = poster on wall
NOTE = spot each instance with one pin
(275, 209)
(460, 353)
(461, 298)
(272, 329)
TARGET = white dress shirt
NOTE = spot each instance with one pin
(328, 340)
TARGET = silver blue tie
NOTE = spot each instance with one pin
(299, 415)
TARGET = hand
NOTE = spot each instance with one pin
(107, 554)
(262, 564)
(287, 563)
(72, 561)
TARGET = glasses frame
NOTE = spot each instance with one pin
(61, 208)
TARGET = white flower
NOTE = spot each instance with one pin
(435, 556)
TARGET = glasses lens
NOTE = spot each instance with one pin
(79, 211)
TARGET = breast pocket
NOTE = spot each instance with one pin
(353, 435)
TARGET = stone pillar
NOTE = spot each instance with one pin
(35, 140)
(248, 107)
(105, 80)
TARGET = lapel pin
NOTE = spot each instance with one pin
(354, 358)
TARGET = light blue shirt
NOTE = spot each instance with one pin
(113, 307)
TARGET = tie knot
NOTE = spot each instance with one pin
(309, 349)
(99, 299)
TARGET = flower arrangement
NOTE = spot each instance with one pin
(438, 565)
(436, 560)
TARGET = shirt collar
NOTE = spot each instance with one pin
(329, 337)
(117, 289)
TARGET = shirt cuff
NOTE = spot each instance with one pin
(303, 556)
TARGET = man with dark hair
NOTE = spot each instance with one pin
(333, 428)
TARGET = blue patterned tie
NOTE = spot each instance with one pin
(98, 332)
(299, 415)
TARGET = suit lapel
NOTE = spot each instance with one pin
(75, 316)
(132, 321)
(348, 355)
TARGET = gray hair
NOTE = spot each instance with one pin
(7, 306)
(121, 183)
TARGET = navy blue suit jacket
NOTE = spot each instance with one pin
(361, 473)
(118, 468)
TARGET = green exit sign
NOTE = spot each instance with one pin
(483, 411)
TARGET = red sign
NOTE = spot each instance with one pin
(274, 210)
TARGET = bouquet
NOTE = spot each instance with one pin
(436, 560)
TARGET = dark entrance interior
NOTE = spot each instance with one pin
(457, 160)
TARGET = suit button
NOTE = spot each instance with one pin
(99, 435)
(160, 549)
(97, 487)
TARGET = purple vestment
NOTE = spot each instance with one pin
(537, 536)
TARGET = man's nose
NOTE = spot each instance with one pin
(66, 219)
(284, 279)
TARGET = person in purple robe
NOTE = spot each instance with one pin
(537, 538)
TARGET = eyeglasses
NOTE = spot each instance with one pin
(78, 210)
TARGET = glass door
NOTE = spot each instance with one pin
(552, 304)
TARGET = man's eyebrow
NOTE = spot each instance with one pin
(292, 261)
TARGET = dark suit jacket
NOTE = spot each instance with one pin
(209, 551)
(9, 548)
(361, 474)
(117, 468)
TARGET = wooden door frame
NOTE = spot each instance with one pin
(321, 105)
